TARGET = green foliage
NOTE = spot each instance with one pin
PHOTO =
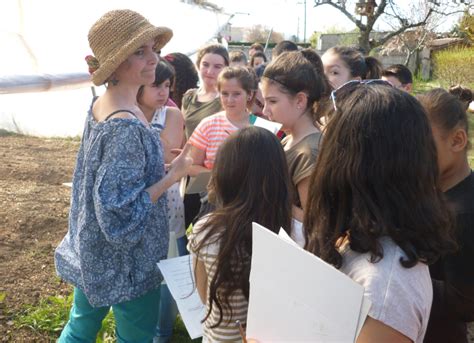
(50, 315)
(423, 86)
(314, 38)
(470, 153)
(454, 66)
(180, 335)
(5, 133)
(465, 27)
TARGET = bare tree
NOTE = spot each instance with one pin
(413, 40)
(367, 12)
(259, 33)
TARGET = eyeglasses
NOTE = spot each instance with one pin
(352, 85)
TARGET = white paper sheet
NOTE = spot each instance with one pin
(179, 276)
(267, 124)
(295, 296)
(366, 303)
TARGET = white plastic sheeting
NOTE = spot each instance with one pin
(49, 37)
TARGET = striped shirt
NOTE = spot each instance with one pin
(210, 134)
(227, 331)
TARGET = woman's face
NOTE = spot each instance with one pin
(156, 96)
(336, 70)
(209, 68)
(233, 97)
(258, 61)
(139, 68)
(279, 107)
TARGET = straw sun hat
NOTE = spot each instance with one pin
(115, 36)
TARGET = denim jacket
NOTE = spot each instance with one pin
(116, 234)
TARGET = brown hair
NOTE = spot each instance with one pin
(256, 46)
(257, 54)
(399, 71)
(244, 75)
(238, 56)
(371, 181)
(463, 94)
(186, 76)
(365, 67)
(245, 193)
(446, 110)
(300, 71)
(216, 49)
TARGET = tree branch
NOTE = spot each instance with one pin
(380, 10)
(397, 32)
(343, 10)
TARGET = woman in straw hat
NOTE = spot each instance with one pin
(118, 228)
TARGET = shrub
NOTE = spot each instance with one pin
(454, 66)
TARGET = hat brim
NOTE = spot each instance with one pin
(161, 35)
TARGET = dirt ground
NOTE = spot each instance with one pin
(33, 219)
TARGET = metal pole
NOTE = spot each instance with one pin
(268, 40)
(304, 21)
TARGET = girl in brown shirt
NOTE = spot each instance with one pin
(292, 86)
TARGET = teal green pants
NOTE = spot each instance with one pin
(135, 320)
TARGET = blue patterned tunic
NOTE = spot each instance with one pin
(116, 234)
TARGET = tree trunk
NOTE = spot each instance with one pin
(364, 41)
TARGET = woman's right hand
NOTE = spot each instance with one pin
(180, 166)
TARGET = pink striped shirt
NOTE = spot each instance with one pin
(209, 135)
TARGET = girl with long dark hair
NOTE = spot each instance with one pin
(375, 210)
(221, 243)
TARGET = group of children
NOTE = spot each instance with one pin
(363, 195)
(369, 178)
(366, 164)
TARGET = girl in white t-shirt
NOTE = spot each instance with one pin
(152, 99)
(374, 207)
(249, 183)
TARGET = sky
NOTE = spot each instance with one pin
(287, 16)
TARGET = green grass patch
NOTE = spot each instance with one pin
(50, 316)
(5, 133)
(421, 86)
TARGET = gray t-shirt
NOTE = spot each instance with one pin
(401, 297)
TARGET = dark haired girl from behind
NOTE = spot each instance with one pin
(374, 210)
(453, 275)
(221, 243)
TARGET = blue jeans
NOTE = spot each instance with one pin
(135, 320)
(168, 309)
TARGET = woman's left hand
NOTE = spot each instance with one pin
(180, 166)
